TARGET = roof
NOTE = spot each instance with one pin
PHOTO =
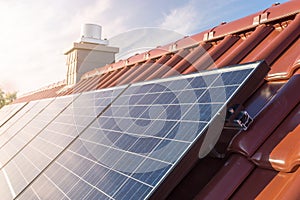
(262, 161)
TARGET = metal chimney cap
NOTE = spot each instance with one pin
(91, 33)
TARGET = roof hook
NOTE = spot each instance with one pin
(237, 118)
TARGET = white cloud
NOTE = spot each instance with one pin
(141, 40)
(34, 37)
(195, 15)
(181, 19)
(35, 34)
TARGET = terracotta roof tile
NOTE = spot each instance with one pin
(47, 93)
(127, 74)
(287, 64)
(274, 154)
(90, 84)
(269, 38)
(251, 187)
(225, 54)
(246, 46)
(262, 96)
(163, 69)
(188, 60)
(76, 87)
(212, 55)
(227, 179)
(286, 155)
(147, 71)
(113, 80)
(137, 71)
(105, 78)
(282, 186)
(271, 52)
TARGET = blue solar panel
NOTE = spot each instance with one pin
(8, 140)
(55, 137)
(18, 136)
(130, 149)
(17, 116)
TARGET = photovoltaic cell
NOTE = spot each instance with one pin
(8, 111)
(16, 138)
(55, 137)
(137, 141)
(16, 117)
(7, 138)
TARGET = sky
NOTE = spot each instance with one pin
(35, 34)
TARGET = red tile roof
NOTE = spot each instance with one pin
(261, 162)
(46, 92)
(282, 145)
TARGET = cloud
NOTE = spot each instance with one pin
(34, 37)
(181, 19)
(141, 40)
(35, 34)
(196, 15)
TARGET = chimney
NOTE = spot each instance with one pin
(89, 53)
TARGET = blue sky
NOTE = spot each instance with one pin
(35, 34)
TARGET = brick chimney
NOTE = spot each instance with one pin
(90, 53)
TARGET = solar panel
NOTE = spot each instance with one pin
(14, 141)
(35, 108)
(138, 141)
(17, 116)
(55, 137)
(8, 111)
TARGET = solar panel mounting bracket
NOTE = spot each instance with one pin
(237, 118)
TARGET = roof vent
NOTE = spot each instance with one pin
(91, 33)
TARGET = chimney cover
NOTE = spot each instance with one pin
(91, 33)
